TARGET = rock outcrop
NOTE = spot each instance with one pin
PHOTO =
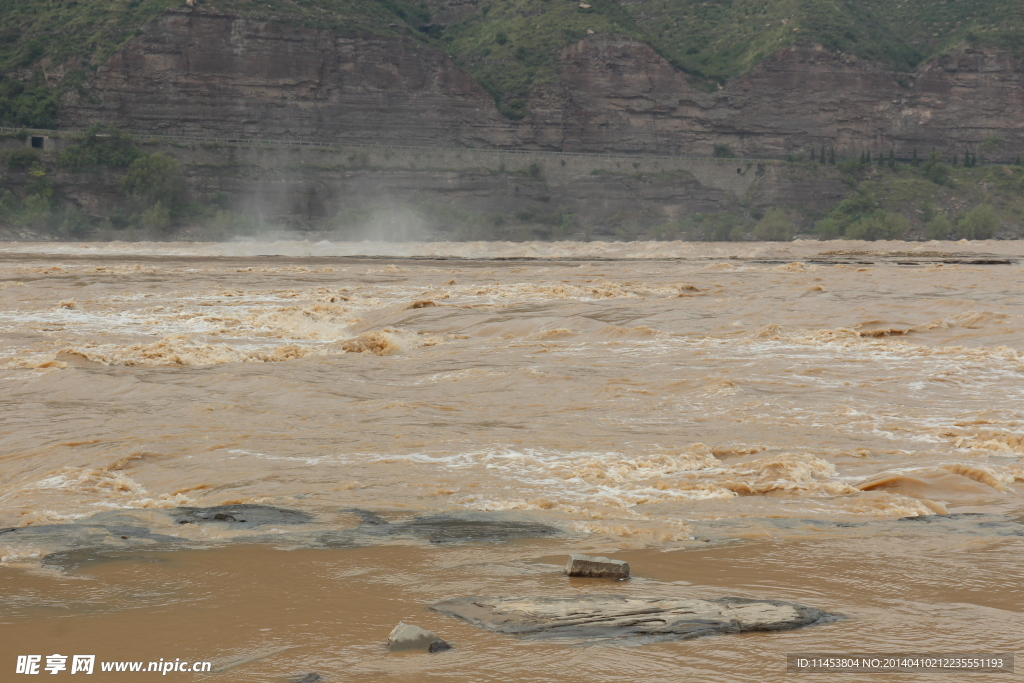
(199, 71)
(620, 616)
(410, 637)
(618, 93)
(94, 538)
(596, 567)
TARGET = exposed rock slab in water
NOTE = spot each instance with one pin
(244, 515)
(620, 616)
(457, 527)
(89, 539)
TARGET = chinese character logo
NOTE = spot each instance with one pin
(83, 664)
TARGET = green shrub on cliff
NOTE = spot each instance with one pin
(775, 226)
(704, 227)
(980, 223)
(9, 206)
(938, 228)
(988, 199)
(155, 219)
(20, 159)
(512, 48)
(934, 170)
(880, 225)
(32, 106)
(101, 146)
(154, 179)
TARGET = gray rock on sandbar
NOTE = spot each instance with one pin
(621, 616)
(409, 637)
(596, 567)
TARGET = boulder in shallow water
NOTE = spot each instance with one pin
(409, 637)
(621, 616)
(596, 567)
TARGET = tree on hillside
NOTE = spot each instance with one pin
(934, 170)
(775, 226)
(154, 179)
(980, 223)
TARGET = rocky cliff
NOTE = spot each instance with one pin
(616, 92)
(201, 71)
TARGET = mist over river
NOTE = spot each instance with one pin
(744, 419)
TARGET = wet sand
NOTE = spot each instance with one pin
(329, 611)
(749, 419)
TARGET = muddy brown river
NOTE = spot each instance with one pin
(835, 424)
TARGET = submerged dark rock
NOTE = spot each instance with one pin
(309, 678)
(244, 515)
(72, 545)
(930, 519)
(619, 616)
(367, 516)
(439, 646)
(463, 527)
(332, 539)
(970, 522)
(111, 532)
(76, 559)
(90, 539)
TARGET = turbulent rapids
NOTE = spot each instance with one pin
(356, 431)
(623, 397)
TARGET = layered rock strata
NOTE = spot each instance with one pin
(199, 71)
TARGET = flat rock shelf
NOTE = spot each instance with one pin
(628, 617)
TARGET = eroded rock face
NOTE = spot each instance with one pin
(202, 72)
(620, 616)
(199, 71)
(618, 93)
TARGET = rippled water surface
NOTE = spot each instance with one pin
(766, 411)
